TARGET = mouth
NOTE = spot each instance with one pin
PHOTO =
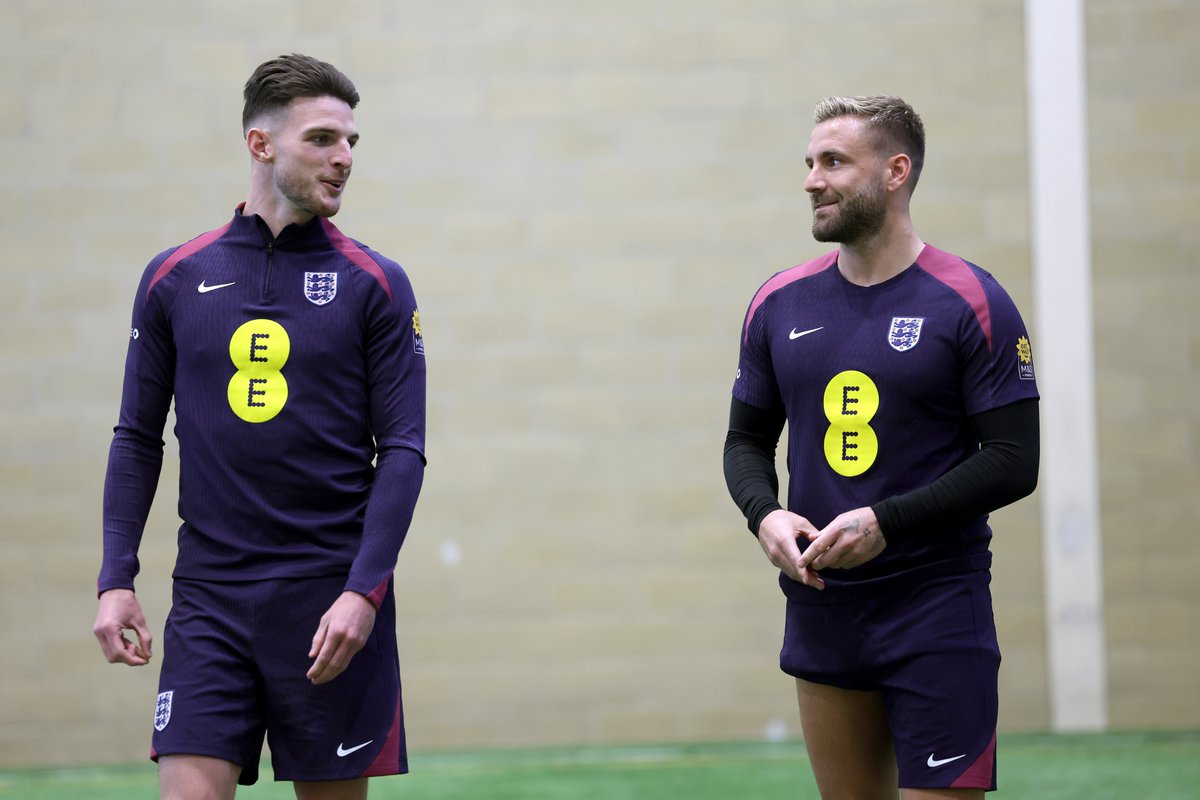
(335, 184)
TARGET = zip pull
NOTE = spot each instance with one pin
(266, 287)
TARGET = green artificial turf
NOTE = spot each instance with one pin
(1163, 766)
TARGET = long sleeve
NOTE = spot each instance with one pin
(136, 454)
(396, 377)
(749, 460)
(1004, 470)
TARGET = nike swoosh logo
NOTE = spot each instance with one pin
(937, 762)
(795, 334)
(202, 289)
(345, 751)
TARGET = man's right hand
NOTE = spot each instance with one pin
(777, 535)
(120, 611)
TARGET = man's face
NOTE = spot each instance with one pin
(313, 138)
(846, 182)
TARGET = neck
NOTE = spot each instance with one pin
(274, 209)
(881, 256)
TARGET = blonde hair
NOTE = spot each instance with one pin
(897, 127)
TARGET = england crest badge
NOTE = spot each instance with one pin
(320, 287)
(162, 710)
(905, 333)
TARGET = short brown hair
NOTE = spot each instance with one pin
(897, 126)
(276, 83)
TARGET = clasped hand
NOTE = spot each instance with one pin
(851, 539)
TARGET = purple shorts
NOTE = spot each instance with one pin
(234, 662)
(930, 648)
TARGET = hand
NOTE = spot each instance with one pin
(851, 539)
(120, 611)
(342, 632)
(778, 534)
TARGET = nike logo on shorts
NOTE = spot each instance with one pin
(202, 289)
(937, 762)
(345, 751)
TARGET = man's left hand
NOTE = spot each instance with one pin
(342, 632)
(851, 539)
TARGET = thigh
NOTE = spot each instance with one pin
(349, 728)
(200, 777)
(848, 742)
(938, 665)
(941, 794)
(332, 790)
(209, 701)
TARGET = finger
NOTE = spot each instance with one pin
(120, 650)
(809, 577)
(811, 553)
(825, 558)
(328, 673)
(145, 641)
(112, 643)
(316, 672)
(326, 656)
(328, 664)
(343, 648)
(319, 637)
(781, 552)
(133, 654)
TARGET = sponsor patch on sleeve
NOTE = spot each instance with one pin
(1024, 359)
(418, 340)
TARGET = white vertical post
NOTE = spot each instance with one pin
(1063, 354)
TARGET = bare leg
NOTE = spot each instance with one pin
(331, 790)
(942, 794)
(197, 778)
(848, 742)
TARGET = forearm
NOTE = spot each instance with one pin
(134, 465)
(1004, 470)
(749, 461)
(399, 473)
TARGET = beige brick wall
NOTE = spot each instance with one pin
(585, 196)
(1144, 77)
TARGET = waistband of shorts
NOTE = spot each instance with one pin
(849, 591)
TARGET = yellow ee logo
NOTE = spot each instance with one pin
(851, 400)
(259, 349)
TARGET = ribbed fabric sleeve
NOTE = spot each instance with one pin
(399, 473)
(1004, 470)
(749, 460)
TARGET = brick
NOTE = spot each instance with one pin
(586, 202)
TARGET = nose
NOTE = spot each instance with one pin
(342, 156)
(815, 181)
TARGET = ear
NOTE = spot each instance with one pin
(258, 142)
(899, 168)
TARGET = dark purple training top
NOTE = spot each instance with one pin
(878, 383)
(297, 369)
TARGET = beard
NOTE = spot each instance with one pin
(858, 217)
(304, 193)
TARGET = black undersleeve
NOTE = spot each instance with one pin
(1004, 469)
(750, 460)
